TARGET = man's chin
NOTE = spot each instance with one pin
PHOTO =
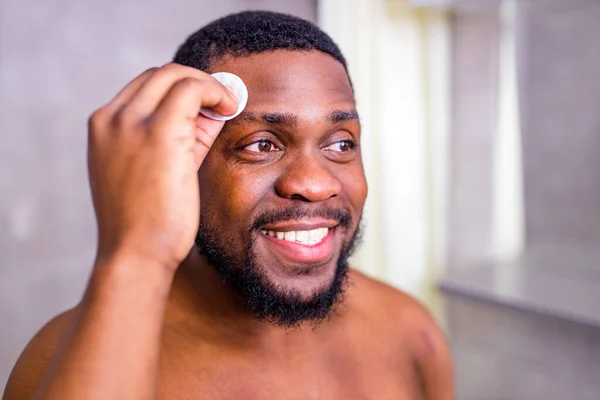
(303, 299)
(279, 286)
(303, 281)
(288, 300)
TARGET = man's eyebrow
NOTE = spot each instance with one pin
(341, 115)
(287, 119)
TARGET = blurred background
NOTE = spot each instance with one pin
(481, 140)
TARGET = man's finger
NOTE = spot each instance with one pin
(153, 91)
(186, 96)
(206, 132)
(129, 91)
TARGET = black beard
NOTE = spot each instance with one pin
(267, 302)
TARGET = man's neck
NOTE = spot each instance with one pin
(201, 304)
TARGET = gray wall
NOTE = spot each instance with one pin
(560, 79)
(499, 352)
(558, 57)
(474, 74)
(59, 60)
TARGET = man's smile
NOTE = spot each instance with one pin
(302, 242)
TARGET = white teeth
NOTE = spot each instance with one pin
(290, 236)
(315, 235)
(302, 236)
(308, 238)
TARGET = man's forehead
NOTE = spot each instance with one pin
(287, 87)
(279, 72)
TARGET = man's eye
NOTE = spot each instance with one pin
(262, 146)
(343, 146)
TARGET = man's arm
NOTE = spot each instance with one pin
(111, 345)
(111, 339)
(29, 368)
(145, 149)
(434, 360)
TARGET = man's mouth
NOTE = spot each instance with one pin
(306, 238)
(302, 242)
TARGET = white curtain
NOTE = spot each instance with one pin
(508, 201)
(398, 58)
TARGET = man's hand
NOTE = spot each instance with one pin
(145, 148)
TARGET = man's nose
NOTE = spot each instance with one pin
(308, 179)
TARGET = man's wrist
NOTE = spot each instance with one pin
(132, 270)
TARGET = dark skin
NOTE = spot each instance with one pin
(300, 134)
(196, 340)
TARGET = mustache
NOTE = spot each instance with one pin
(343, 217)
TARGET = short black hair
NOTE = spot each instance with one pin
(251, 32)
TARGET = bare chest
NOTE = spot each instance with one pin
(344, 374)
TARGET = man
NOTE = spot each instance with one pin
(264, 306)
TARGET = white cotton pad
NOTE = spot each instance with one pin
(237, 86)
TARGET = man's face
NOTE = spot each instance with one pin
(283, 187)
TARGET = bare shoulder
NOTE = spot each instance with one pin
(395, 307)
(405, 319)
(32, 363)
